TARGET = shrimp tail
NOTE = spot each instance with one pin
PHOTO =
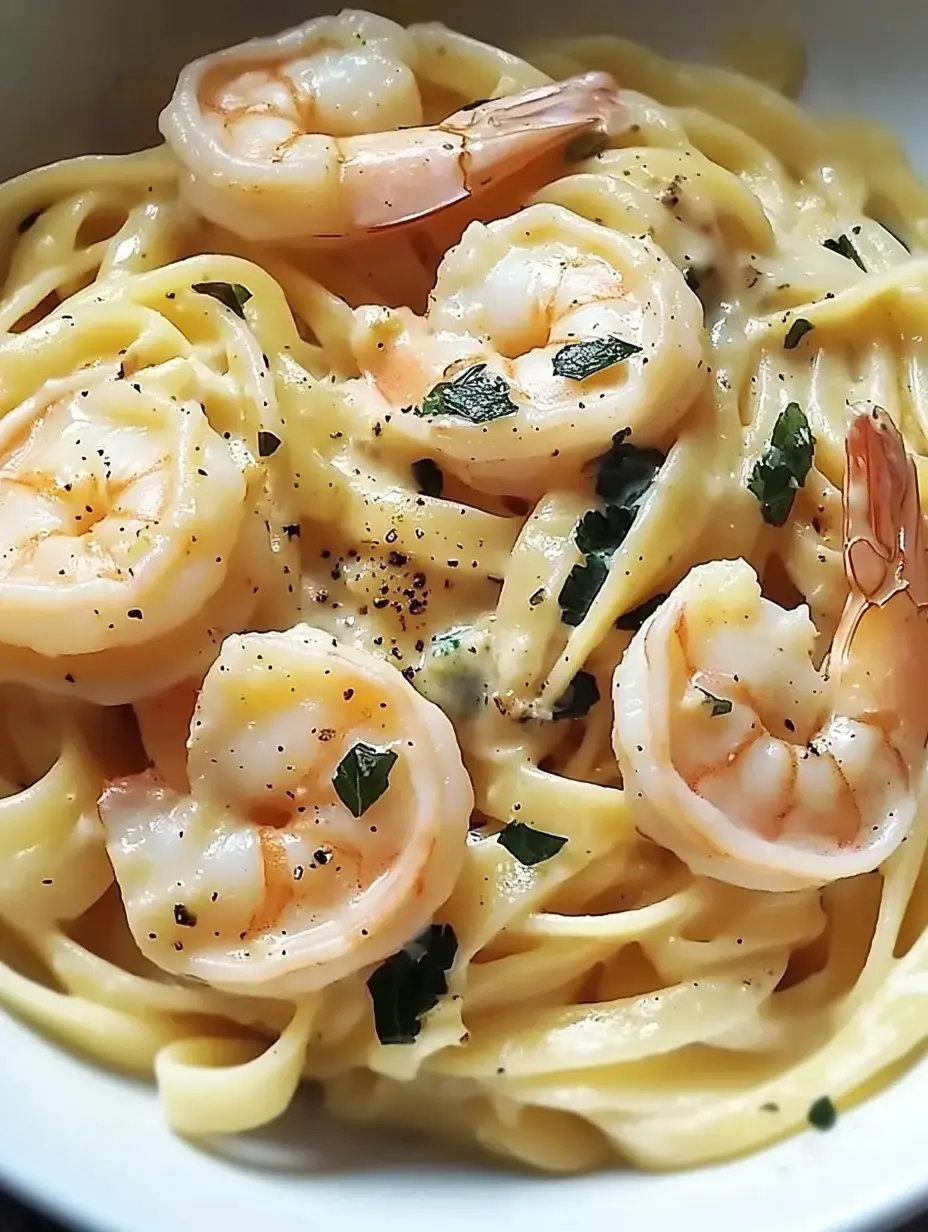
(884, 536)
(391, 179)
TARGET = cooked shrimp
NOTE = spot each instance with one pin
(295, 138)
(119, 508)
(325, 824)
(546, 334)
(737, 754)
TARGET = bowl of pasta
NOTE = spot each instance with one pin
(530, 424)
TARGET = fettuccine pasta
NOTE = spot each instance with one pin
(462, 597)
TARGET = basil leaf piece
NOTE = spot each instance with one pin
(475, 395)
(362, 776)
(625, 472)
(822, 1113)
(782, 469)
(717, 705)
(578, 360)
(632, 621)
(624, 475)
(796, 332)
(268, 444)
(583, 584)
(604, 530)
(409, 983)
(428, 476)
(580, 696)
(528, 845)
(844, 248)
(232, 294)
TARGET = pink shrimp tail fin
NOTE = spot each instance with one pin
(589, 101)
(883, 531)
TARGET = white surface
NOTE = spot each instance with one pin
(92, 1146)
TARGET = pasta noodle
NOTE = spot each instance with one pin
(229, 388)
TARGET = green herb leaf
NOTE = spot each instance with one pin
(844, 248)
(268, 444)
(717, 705)
(409, 983)
(580, 696)
(632, 621)
(578, 360)
(625, 473)
(428, 476)
(822, 1113)
(781, 471)
(476, 395)
(232, 294)
(362, 776)
(604, 530)
(796, 332)
(528, 845)
(582, 586)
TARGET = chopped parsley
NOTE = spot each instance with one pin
(362, 776)
(717, 705)
(428, 476)
(796, 332)
(822, 1113)
(232, 294)
(528, 845)
(782, 469)
(624, 475)
(583, 584)
(580, 696)
(475, 394)
(268, 444)
(632, 621)
(844, 248)
(578, 360)
(409, 983)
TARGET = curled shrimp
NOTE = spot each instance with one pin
(291, 863)
(294, 138)
(119, 508)
(742, 758)
(545, 335)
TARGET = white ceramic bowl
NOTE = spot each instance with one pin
(80, 75)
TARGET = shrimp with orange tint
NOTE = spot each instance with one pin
(546, 334)
(325, 821)
(318, 135)
(742, 758)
